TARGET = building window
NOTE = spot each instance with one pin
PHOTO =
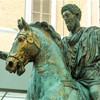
(41, 10)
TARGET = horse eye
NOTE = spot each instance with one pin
(21, 38)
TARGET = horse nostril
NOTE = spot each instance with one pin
(18, 65)
(10, 64)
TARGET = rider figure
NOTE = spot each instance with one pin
(82, 50)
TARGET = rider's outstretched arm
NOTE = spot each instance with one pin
(3, 55)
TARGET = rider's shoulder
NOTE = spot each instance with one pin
(93, 29)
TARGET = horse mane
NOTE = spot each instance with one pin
(49, 28)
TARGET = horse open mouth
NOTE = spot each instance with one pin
(14, 66)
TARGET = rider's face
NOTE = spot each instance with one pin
(70, 20)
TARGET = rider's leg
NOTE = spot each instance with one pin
(95, 91)
(90, 78)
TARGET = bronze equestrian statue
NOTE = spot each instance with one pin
(66, 69)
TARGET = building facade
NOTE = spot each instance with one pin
(47, 10)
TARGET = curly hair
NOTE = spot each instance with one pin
(73, 8)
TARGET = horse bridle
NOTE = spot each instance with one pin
(29, 41)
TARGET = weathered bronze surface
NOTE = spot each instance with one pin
(67, 69)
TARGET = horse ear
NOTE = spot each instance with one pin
(25, 24)
(20, 24)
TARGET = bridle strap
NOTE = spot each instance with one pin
(15, 58)
(29, 42)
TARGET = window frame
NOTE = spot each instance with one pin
(41, 11)
(28, 13)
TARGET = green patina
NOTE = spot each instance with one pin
(67, 69)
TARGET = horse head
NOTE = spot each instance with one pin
(25, 47)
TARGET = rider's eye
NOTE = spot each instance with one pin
(66, 15)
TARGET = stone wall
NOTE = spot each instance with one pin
(10, 11)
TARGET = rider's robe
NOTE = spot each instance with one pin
(82, 55)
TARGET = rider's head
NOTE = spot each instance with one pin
(72, 16)
(72, 8)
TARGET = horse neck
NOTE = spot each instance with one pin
(51, 59)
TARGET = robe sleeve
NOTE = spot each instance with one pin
(90, 46)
